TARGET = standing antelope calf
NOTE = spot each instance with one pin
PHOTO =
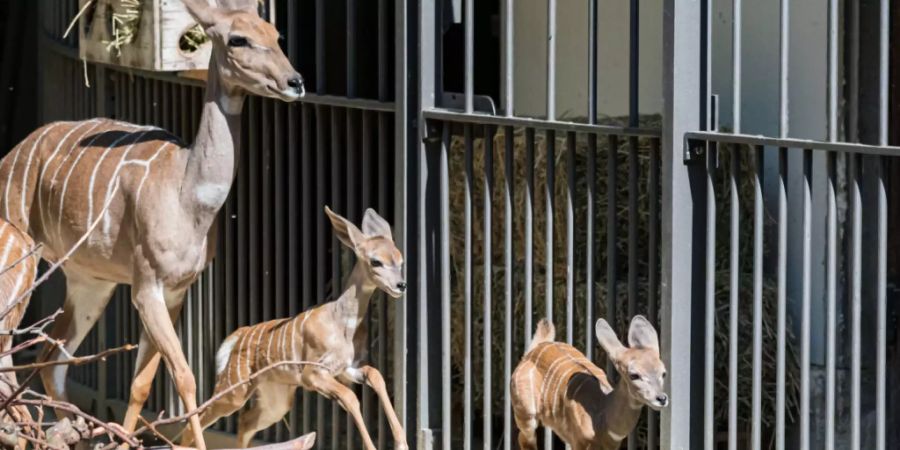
(558, 386)
(333, 335)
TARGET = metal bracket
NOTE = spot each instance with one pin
(480, 103)
(698, 151)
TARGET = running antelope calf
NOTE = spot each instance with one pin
(556, 385)
(333, 335)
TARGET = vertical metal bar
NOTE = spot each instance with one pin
(445, 287)
(734, 292)
(784, 33)
(612, 189)
(710, 308)
(351, 48)
(321, 232)
(570, 236)
(467, 288)
(633, 223)
(509, 175)
(488, 277)
(736, 48)
(756, 401)
(882, 240)
(830, 303)
(384, 189)
(855, 299)
(592, 65)
(781, 281)
(551, 60)
(336, 249)
(549, 190)
(633, 74)
(508, 56)
(652, 267)
(589, 244)
(382, 58)
(833, 43)
(351, 183)
(805, 302)
(320, 47)
(469, 18)
(529, 235)
(852, 71)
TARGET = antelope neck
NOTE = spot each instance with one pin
(350, 308)
(212, 160)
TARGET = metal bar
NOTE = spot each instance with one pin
(592, 66)
(632, 226)
(321, 241)
(734, 291)
(756, 400)
(855, 300)
(469, 73)
(781, 281)
(852, 71)
(736, 48)
(384, 188)
(508, 56)
(337, 274)
(830, 303)
(611, 234)
(833, 61)
(467, 289)
(652, 268)
(570, 237)
(525, 122)
(382, 59)
(795, 144)
(509, 175)
(351, 69)
(529, 235)
(369, 402)
(549, 189)
(589, 296)
(445, 287)
(805, 324)
(882, 239)
(320, 47)
(354, 213)
(633, 75)
(710, 308)
(488, 277)
(784, 34)
(551, 59)
(308, 229)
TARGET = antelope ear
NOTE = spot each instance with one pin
(375, 225)
(346, 232)
(608, 339)
(202, 11)
(306, 441)
(641, 334)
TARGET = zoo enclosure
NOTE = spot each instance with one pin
(578, 219)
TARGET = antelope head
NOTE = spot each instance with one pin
(375, 250)
(246, 50)
(643, 372)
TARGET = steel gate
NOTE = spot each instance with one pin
(507, 215)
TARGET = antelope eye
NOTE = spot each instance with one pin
(635, 376)
(238, 41)
(664, 374)
(376, 263)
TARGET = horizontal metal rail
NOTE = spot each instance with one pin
(791, 143)
(556, 125)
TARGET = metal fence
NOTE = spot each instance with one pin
(507, 218)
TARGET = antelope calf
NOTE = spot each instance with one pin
(333, 335)
(556, 385)
(18, 267)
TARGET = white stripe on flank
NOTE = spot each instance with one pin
(284, 328)
(294, 341)
(269, 355)
(250, 351)
(12, 169)
(28, 168)
(62, 195)
(40, 183)
(97, 165)
(258, 348)
(147, 168)
(7, 247)
(115, 176)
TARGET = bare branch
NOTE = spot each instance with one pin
(22, 258)
(76, 361)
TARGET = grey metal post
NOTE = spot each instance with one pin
(681, 112)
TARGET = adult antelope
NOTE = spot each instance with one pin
(558, 386)
(333, 335)
(156, 234)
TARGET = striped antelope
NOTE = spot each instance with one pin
(18, 263)
(558, 386)
(332, 334)
(163, 196)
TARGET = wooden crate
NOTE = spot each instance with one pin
(156, 44)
